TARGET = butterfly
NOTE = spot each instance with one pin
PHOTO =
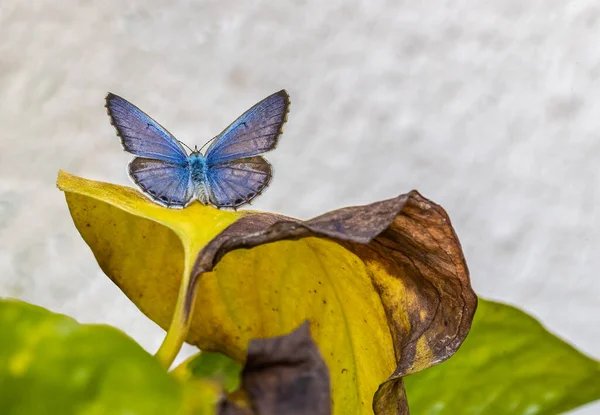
(229, 174)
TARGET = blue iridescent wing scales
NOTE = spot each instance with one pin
(166, 183)
(160, 167)
(235, 172)
(141, 135)
(253, 133)
(237, 182)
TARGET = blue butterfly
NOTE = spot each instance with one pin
(231, 173)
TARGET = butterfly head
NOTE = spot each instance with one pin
(195, 152)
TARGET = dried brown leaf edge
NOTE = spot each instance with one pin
(417, 268)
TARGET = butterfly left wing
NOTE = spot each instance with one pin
(160, 168)
(237, 182)
(254, 133)
(141, 135)
(168, 184)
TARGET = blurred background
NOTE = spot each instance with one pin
(490, 109)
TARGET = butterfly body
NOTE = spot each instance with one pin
(231, 172)
(199, 175)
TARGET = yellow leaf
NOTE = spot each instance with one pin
(385, 286)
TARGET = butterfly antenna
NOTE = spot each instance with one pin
(185, 145)
(212, 139)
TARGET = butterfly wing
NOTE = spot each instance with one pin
(168, 184)
(254, 133)
(161, 167)
(141, 135)
(237, 182)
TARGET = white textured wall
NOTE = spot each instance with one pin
(490, 108)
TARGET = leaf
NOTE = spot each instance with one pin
(509, 364)
(212, 365)
(50, 364)
(144, 248)
(286, 375)
(385, 286)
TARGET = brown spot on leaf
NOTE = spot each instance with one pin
(285, 375)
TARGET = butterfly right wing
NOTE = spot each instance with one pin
(237, 182)
(253, 133)
(141, 135)
(168, 184)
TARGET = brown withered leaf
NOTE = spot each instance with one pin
(417, 267)
(285, 375)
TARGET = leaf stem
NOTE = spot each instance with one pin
(180, 324)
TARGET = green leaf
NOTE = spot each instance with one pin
(508, 364)
(213, 365)
(50, 364)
